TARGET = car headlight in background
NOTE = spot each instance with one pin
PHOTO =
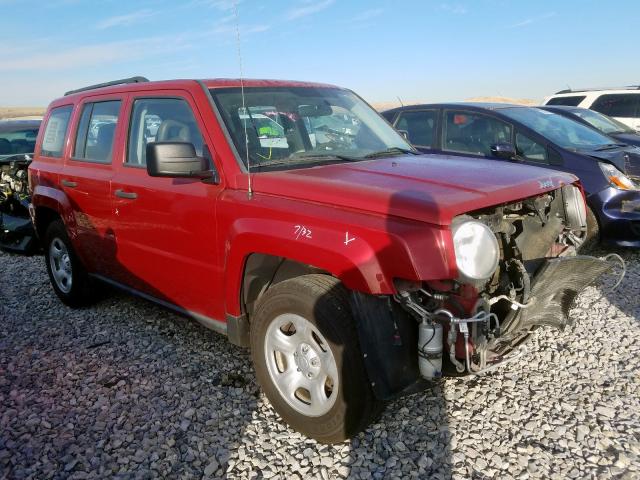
(617, 178)
(477, 250)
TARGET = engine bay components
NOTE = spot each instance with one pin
(518, 270)
(16, 230)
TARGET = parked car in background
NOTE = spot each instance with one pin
(17, 136)
(609, 172)
(355, 269)
(623, 104)
(17, 143)
(607, 125)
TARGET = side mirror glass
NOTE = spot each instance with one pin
(176, 159)
(503, 150)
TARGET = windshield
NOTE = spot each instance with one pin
(603, 123)
(15, 140)
(294, 126)
(563, 131)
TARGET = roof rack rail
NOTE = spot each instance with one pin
(569, 90)
(108, 84)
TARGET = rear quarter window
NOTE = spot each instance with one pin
(624, 105)
(572, 101)
(55, 132)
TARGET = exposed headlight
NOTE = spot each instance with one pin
(574, 207)
(617, 178)
(476, 248)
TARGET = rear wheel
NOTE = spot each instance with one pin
(308, 361)
(66, 272)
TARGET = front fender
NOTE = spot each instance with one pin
(345, 255)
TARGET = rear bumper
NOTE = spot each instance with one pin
(618, 213)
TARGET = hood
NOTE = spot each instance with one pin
(626, 159)
(628, 138)
(429, 188)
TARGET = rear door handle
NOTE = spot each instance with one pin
(130, 195)
(68, 183)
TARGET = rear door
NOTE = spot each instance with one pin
(164, 228)
(87, 173)
(419, 127)
(624, 107)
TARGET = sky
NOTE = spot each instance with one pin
(417, 50)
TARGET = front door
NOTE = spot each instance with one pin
(165, 228)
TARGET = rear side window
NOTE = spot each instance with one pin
(161, 120)
(618, 105)
(572, 101)
(96, 131)
(55, 132)
(419, 125)
(473, 133)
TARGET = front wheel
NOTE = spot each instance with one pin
(308, 361)
(593, 232)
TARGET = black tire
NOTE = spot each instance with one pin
(593, 233)
(78, 292)
(322, 301)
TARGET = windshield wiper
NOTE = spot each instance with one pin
(391, 151)
(610, 146)
(301, 159)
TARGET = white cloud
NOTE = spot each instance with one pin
(56, 58)
(368, 14)
(224, 5)
(454, 8)
(531, 20)
(125, 20)
(307, 9)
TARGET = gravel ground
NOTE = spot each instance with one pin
(127, 390)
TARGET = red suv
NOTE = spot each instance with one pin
(293, 219)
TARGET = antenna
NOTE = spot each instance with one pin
(244, 108)
(400, 100)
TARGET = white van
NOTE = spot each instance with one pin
(623, 104)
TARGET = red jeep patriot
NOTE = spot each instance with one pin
(293, 219)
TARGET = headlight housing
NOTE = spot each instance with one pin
(617, 179)
(476, 248)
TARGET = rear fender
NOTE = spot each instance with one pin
(56, 200)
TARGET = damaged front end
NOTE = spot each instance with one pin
(16, 230)
(537, 276)
(522, 272)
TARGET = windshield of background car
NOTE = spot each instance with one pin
(293, 126)
(15, 140)
(562, 131)
(603, 123)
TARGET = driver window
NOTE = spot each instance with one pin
(473, 133)
(530, 149)
(161, 120)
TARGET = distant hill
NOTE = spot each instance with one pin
(18, 112)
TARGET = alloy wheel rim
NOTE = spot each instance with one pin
(60, 262)
(301, 365)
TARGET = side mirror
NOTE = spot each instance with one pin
(503, 150)
(176, 159)
(405, 134)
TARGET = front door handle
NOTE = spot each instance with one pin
(129, 195)
(68, 183)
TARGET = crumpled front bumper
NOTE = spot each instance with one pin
(554, 289)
